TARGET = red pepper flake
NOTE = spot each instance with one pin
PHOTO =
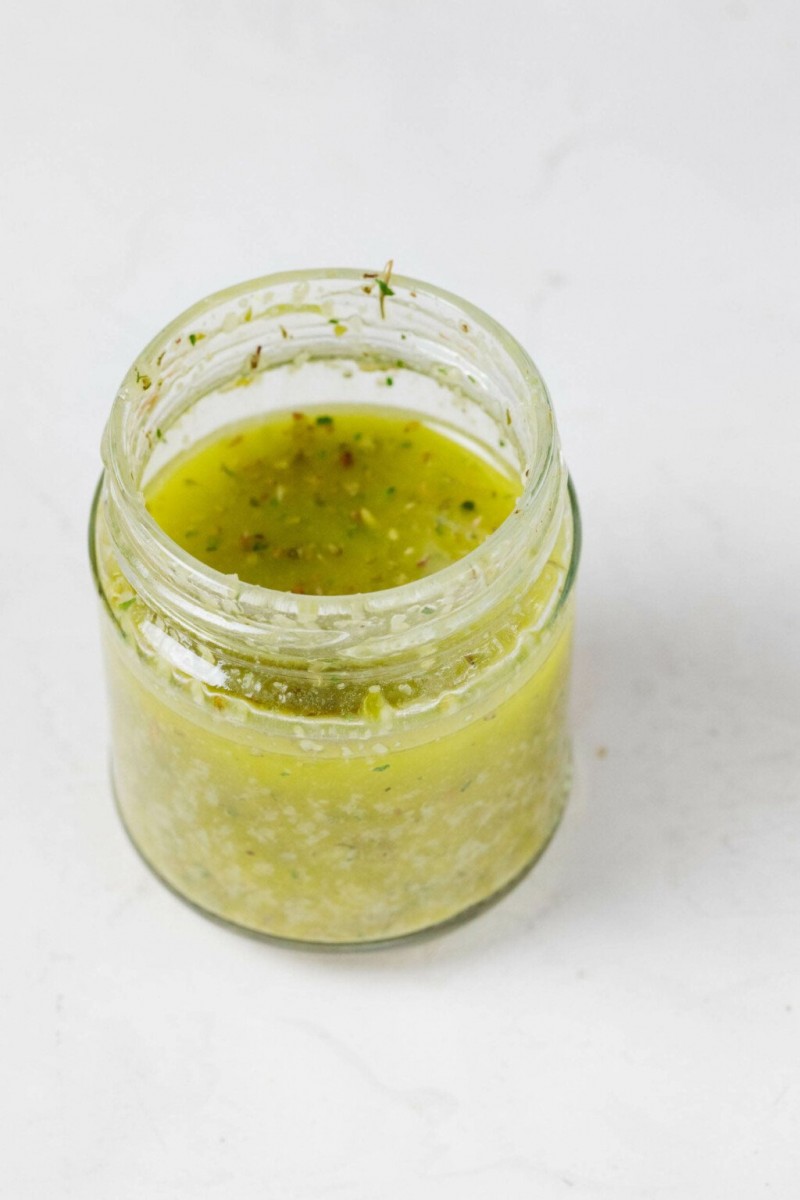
(346, 458)
(298, 416)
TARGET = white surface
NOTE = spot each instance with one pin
(619, 184)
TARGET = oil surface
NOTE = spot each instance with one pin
(331, 502)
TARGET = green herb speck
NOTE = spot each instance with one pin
(324, 420)
(468, 505)
(385, 767)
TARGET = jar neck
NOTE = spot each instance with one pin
(272, 344)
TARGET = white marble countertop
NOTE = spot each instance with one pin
(619, 184)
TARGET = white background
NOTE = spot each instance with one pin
(618, 183)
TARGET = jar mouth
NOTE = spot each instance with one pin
(208, 341)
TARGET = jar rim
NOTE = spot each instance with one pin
(204, 596)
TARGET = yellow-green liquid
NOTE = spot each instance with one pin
(318, 806)
(331, 502)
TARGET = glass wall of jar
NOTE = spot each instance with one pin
(337, 770)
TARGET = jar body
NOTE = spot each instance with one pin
(353, 797)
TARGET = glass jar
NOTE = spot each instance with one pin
(337, 770)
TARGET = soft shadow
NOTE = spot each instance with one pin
(678, 711)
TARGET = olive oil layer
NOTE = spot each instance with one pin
(331, 503)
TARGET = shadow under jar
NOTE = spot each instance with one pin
(337, 770)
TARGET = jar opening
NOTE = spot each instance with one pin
(289, 341)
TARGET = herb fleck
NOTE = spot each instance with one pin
(382, 281)
(385, 767)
